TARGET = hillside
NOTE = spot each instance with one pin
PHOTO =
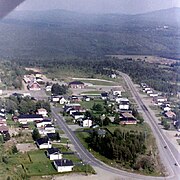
(56, 33)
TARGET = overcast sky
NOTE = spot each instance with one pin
(100, 6)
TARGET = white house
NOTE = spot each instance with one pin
(86, 122)
(54, 154)
(48, 88)
(43, 143)
(153, 94)
(167, 109)
(55, 99)
(43, 123)
(149, 92)
(47, 129)
(123, 104)
(77, 115)
(2, 113)
(146, 89)
(63, 165)
(42, 112)
(24, 119)
(113, 76)
(161, 99)
(62, 100)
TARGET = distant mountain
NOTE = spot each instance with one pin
(56, 33)
(168, 16)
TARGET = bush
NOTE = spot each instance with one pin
(35, 134)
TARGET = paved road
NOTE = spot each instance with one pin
(169, 156)
(89, 158)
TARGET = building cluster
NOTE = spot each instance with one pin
(164, 104)
(55, 155)
(72, 107)
(3, 124)
(33, 81)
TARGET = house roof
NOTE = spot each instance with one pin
(77, 113)
(64, 162)
(104, 94)
(124, 99)
(48, 125)
(52, 135)
(29, 116)
(53, 150)
(46, 120)
(72, 105)
(42, 109)
(33, 83)
(42, 141)
(76, 83)
(170, 114)
(2, 117)
(127, 115)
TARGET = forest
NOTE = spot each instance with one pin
(24, 105)
(122, 147)
(53, 34)
(11, 75)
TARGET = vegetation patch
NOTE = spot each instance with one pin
(118, 148)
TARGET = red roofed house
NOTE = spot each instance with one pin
(127, 118)
(34, 86)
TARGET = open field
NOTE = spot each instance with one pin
(89, 105)
(150, 59)
(98, 82)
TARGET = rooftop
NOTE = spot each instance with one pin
(42, 141)
(53, 150)
(76, 83)
(25, 116)
(64, 162)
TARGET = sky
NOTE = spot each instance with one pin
(100, 6)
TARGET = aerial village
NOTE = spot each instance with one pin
(87, 106)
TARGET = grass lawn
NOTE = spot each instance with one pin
(89, 105)
(64, 140)
(138, 127)
(11, 123)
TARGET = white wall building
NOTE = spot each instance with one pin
(54, 154)
(63, 165)
(86, 123)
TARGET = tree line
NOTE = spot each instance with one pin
(25, 105)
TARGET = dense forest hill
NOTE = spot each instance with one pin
(52, 34)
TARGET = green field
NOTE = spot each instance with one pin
(138, 127)
(89, 105)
